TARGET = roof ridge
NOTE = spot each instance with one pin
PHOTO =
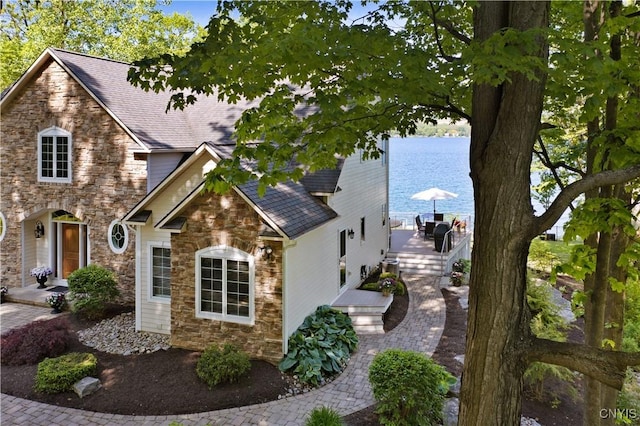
(87, 55)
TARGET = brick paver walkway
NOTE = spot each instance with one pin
(350, 392)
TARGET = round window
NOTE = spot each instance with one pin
(118, 237)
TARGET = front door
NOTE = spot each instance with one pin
(70, 248)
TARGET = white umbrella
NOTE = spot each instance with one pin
(433, 194)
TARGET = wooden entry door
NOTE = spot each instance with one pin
(70, 248)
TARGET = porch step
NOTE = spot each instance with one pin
(416, 263)
(365, 308)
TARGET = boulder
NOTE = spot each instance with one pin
(86, 386)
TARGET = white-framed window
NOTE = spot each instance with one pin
(3, 226)
(54, 155)
(159, 271)
(225, 285)
(118, 236)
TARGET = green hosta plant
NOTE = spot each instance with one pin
(321, 346)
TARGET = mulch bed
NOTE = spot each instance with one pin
(165, 382)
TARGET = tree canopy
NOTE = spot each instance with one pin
(124, 30)
(523, 73)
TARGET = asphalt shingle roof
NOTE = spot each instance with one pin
(289, 205)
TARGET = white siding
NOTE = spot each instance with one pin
(159, 166)
(155, 315)
(311, 266)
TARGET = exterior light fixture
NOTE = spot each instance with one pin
(351, 233)
(39, 229)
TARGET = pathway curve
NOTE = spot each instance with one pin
(350, 392)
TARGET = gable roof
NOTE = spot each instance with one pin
(142, 114)
(288, 208)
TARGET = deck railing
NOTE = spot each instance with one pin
(407, 220)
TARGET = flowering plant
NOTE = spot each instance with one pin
(456, 278)
(387, 285)
(56, 300)
(41, 271)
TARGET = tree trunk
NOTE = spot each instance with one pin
(498, 328)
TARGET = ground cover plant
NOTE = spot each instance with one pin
(321, 346)
(59, 374)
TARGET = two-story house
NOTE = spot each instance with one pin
(94, 170)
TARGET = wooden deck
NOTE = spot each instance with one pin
(417, 255)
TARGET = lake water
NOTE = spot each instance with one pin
(420, 163)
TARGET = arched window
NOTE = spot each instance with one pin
(118, 237)
(54, 155)
(225, 285)
(3, 226)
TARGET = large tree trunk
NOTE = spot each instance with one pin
(498, 328)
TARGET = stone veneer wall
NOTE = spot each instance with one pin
(107, 181)
(226, 220)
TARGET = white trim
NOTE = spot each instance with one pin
(167, 180)
(3, 230)
(112, 246)
(225, 253)
(150, 246)
(138, 274)
(56, 132)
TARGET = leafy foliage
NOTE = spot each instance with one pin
(541, 257)
(222, 365)
(321, 346)
(324, 416)
(59, 374)
(408, 387)
(363, 78)
(90, 288)
(546, 324)
(35, 341)
(123, 30)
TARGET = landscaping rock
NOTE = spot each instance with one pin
(86, 386)
(450, 412)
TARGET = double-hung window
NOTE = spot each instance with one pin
(54, 155)
(225, 285)
(160, 271)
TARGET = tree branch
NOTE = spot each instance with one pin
(608, 367)
(572, 191)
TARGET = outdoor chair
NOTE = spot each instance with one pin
(438, 217)
(428, 229)
(419, 225)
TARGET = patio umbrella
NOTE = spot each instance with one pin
(433, 194)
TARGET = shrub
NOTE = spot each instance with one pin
(409, 387)
(57, 375)
(90, 288)
(35, 341)
(321, 346)
(324, 416)
(226, 365)
(398, 287)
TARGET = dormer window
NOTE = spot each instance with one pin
(54, 155)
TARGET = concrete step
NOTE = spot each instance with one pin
(366, 323)
(415, 263)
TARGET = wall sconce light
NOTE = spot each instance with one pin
(351, 233)
(39, 230)
(267, 250)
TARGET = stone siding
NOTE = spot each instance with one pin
(214, 220)
(106, 179)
